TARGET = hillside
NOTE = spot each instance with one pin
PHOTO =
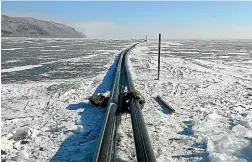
(30, 27)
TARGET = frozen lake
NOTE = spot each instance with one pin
(32, 59)
(46, 115)
(26, 59)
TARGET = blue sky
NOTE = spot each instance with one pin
(135, 19)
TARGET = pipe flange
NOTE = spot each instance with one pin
(136, 95)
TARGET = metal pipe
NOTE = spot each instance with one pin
(106, 143)
(105, 147)
(159, 46)
(143, 146)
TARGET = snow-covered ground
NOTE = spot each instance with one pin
(212, 98)
(46, 115)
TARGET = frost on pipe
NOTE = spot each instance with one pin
(143, 146)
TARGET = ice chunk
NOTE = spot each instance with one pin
(6, 144)
(226, 143)
(214, 116)
(217, 157)
(244, 123)
(210, 145)
(249, 134)
(204, 126)
(17, 145)
(249, 115)
(239, 130)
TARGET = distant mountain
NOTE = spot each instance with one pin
(30, 27)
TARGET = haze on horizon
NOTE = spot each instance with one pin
(124, 20)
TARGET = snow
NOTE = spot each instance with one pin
(210, 104)
(10, 61)
(238, 53)
(10, 49)
(59, 122)
(53, 50)
(35, 47)
(47, 119)
(52, 120)
(20, 68)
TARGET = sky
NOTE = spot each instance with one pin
(132, 19)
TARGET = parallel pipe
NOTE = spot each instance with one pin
(106, 144)
(143, 146)
(105, 147)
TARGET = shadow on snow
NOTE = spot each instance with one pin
(246, 153)
(188, 130)
(163, 106)
(203, 155)
(80, 146)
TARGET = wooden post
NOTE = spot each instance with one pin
(159, 46)
(166, 104)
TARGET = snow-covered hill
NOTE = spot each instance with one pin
(30, 27)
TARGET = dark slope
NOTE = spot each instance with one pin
(30, 27)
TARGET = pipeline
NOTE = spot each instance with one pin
(105, 150)
(143, 146)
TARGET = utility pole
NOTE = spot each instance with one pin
(146, 39)
(159, 46)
